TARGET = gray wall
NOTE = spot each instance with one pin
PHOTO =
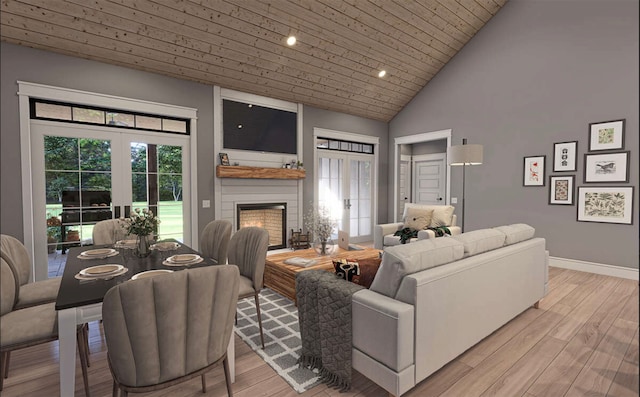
(36, 66)
(431, 147)
(539, 72)
(314, 117)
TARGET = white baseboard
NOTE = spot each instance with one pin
(597, 268)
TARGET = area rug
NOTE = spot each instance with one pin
(281, 337)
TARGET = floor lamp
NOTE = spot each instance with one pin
(464, 155)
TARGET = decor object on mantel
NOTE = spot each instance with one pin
(142, 223)
(246, 172)
(320, 223)
(464, 155)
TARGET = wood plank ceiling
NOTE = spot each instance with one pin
(240, 44)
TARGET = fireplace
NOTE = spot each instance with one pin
(270, 216)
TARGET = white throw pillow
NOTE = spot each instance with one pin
(442, 215)
(417, 218)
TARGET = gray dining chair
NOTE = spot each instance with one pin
(29, 293)
(214, 243)
(164, 330)
(248, 251)
(20, 328)
(108, 232)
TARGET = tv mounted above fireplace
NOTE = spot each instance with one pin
(258, 128)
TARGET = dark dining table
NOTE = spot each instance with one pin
(80, 301)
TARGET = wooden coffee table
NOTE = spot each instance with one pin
(281, 277)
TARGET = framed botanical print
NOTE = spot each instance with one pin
(561, 189)
(606, 135)
(534, 171)
(224, 159)
(606, 167)
(565, 155)
(605, 204)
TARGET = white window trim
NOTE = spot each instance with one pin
(353, 137)
(27, 90)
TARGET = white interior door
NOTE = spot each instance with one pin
(404, 184)
(429, 179)
(345, 188)
(94, 173)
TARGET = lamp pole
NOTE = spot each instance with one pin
(464, 168)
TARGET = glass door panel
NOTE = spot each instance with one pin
(360, 198)
(331, 187)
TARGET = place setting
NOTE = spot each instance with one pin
(99, 253)
(101, 272)
(182, 260)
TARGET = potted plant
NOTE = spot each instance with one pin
(53, 232)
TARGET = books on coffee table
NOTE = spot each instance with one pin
(298, 261)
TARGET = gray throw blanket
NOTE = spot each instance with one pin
(324, 314)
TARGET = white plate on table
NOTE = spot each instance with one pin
(151, 273)
(97, 253)
(101, 270)
(183, 260)
(125, 244)
(165, 246)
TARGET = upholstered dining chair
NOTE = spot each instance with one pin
(20, 328)
(29, 293)
(164, 330)
(248, 250)
(214, 242)
(108, 232)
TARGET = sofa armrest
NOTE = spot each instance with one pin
(383, 329)
(379, 231)
(427, 234)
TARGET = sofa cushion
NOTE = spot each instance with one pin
(398, 261)
(479, 241)
(442, 214)
(417, 218)
(516, 233)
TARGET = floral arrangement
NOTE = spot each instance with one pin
(141, 222)
(320, 223)
(53, 226)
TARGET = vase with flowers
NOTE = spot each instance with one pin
(143, 224)
(321, 224)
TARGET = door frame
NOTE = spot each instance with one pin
(349, 136)
(418, 138)
(27, 90)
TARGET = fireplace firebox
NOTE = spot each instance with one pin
(270, 216)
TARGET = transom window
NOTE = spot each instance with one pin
(73, 113)
(344, 146)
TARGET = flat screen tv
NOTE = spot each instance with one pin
(258, 128)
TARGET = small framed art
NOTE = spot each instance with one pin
(534, 171)
(565, 155)
(605, 204)
(561, 189)
(606, 167)
(606, 135)
(224, 159)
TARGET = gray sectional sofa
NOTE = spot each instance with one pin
(433, 299)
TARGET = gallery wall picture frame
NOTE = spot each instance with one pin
(224, 159)
(561, 188)
(565, 156)
(606, 167)
(605, 204)
(533, 171)
(606, 135)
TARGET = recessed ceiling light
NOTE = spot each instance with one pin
(382, 73)
(291, 40)
(250, 105)
(239, 125)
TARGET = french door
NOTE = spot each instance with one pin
(345, 188)
(84, 174)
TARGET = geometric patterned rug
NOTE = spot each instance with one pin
(281, 337)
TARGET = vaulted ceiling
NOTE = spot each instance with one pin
(240, 44)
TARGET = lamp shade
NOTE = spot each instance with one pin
(465, 155)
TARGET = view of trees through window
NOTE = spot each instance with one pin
(84, 165)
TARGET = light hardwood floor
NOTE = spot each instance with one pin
(583, 340)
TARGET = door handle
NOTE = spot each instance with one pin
(347, 204)
(439, 198)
